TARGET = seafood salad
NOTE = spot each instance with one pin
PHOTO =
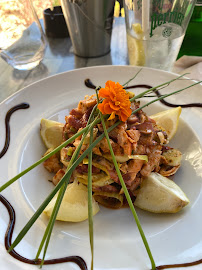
(140, 147)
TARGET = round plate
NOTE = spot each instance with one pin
(173, 238)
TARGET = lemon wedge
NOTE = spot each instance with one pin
(116, 9)
(135, 46)
(122, 13)
(74, 206)
(51, 133)
(158, 194)
(168, 120)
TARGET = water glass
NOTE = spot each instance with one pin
(155, 30)
(22, 41)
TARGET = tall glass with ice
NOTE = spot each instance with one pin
(155, 30)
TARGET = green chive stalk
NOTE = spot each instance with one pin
(48, 232)
(126, 83)
(132, 208)
(155, 88)
(56, 208)
(90, 208)
(164, 96)
(12, 180)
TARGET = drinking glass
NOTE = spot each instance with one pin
(155, 30)
(22, 41)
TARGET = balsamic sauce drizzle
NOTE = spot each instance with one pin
(8, 237)
(89, 84)
(7, 125)
(163, 101)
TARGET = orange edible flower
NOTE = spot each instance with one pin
(116, 101)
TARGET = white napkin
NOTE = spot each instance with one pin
(190, 64)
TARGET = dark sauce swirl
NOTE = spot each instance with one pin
(163, 101)
(178, 265)
(8, 237)
(89, 84)
(7, 125)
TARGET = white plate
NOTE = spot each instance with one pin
(173, 238)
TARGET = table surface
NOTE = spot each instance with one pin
(59, 57)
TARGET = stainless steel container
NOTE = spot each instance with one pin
(90, 25)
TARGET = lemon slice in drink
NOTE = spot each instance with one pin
(135, 47)
(168, 120)
(159, 194)
(74, 206)
(51, 133)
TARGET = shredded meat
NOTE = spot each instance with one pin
(58, 176)
(52, 164)
(107, 188)
(153, 163)
(137, 136)
(84, 169)
(78, 114)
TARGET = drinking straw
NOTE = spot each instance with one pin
(145, 15)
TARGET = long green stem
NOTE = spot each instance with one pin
(63, 189)
(127, 193)
(90, 209)
(49, 228)
(126, 83)
(166, 95)
(155, 88)
(12, 180)
(47, 234)
(51, 222)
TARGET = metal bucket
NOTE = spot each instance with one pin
(90, 25)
